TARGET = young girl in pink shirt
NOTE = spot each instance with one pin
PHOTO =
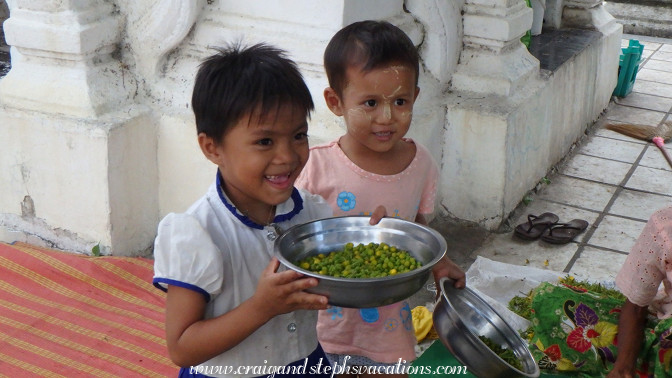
(373, 70)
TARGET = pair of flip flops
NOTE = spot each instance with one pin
(547, 227)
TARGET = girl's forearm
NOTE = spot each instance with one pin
(203, 339)
(630, 336)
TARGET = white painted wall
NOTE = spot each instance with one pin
(500, 142)
(504, 146)
(435, 28)
(103, 155)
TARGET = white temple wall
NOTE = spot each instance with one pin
(304, 36)
(102, 139)
(501, 147)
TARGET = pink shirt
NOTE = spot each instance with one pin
(650, 263)
(383, 334)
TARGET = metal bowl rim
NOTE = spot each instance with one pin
(412, 273)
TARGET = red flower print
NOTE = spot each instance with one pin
(577, 341)
(553, 352)
(590, 331)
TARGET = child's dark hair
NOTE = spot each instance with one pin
(237, 81)
(368, 44)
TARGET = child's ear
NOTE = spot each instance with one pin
(333, 101)
(417, 92)
(209, 147)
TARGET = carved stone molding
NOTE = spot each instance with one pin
(62, 57)
(440, 36)
(587, 14)
(493, 60)
(159, 29)
(583, 4)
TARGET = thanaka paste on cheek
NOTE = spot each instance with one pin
(359, 113)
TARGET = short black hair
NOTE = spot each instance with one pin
(236, 81)
(369, 44)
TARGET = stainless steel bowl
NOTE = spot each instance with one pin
(331, 234)
(461, 316)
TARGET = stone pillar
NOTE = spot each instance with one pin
(61, 53)
(553, 14)
(79, 157)
(493, 60)
(507, 122)
(587, 14)
(593, 15)
(495, 76)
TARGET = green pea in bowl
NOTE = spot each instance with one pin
(323, 236)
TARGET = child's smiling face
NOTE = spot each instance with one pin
(260, 157)
(377, 105)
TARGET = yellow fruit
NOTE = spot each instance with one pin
(422, 322)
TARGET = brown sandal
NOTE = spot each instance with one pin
(563, 233)
(535, 226)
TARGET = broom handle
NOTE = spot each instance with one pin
(660, 143)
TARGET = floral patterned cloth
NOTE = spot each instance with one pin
(576, 331)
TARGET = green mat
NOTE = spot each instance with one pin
(437, 361)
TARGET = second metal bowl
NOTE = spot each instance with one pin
(461, 316)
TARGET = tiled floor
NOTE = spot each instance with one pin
(613, 181)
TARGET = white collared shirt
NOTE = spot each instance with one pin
(215, 250)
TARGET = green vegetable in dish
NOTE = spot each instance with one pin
(522, 305)
(505, 354)
(361, 261)
(592, 287)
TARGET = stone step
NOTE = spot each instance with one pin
(653, 3)
(644, 17)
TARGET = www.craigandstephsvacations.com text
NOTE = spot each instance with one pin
(325, 368)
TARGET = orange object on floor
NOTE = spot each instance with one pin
(65, 314)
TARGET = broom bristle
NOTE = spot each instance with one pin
(642, 132)
(666, 130)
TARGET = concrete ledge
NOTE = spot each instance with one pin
(73, 183)
(498, 148)
(555, 47)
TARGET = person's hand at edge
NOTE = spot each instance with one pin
(447, 268)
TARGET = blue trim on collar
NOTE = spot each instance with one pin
(296, 198)
(167, 281)
(298, 206)
(246, 221)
